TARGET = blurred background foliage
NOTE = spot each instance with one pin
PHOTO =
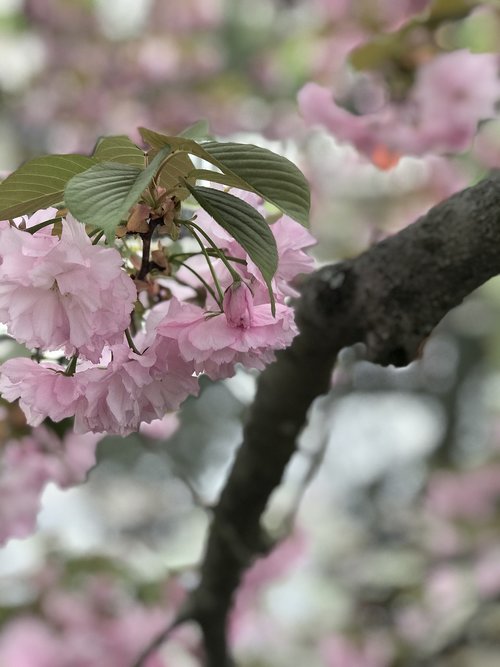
(395, 554)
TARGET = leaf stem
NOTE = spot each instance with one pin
(210, 251)
(234, 274)
(189, 226)
(130, 341)
(71, 367)
(200, 278)
(41, 225)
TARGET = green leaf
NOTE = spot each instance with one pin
(39, 183)
(246, 226)
(250, 167)
(270, 175)
(103, 195)
(179, 165)
(158, 140)
(177, 169)
(199, 130)
(216, 177)
(121, 149)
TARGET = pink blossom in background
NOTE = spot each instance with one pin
(192, 15)
(335, 10)
(62, 293)
(413, 623)
(375, 651)
(339, 651)
(443, 539)
(486, 573)
(28, 642)
(161, 429)
(471, 495)
(247, 622)
(287, 556)
(82, 631)
(451, 94)
(23, 476)
(445, 590)
(318, 107)
(29, 464)
(486, 148)
(77, 457)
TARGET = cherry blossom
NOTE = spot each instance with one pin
(26, 467)
(132, 388)
(98, 628)
(114, 397)
(42, 389)
(160, 429)
(451, 94)
(69, 293)
(338, 651)
(62, 293)
(238, 306)
(215, 343)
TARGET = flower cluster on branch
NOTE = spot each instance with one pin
(62, 292)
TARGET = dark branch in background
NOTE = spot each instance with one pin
(389, 298)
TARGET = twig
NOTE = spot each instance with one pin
(146, 247)
(161, 638)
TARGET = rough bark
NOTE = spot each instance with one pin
(389, 298)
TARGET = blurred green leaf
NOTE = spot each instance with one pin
(393, 46)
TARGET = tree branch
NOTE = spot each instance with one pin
(146, 248)
(389, 298)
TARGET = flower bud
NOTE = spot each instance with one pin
(238, 305)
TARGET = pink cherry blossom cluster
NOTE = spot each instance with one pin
(91, 619)
(63, 292)
(29, 464)
(451, 94)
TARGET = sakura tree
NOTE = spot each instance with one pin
(131, 271)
